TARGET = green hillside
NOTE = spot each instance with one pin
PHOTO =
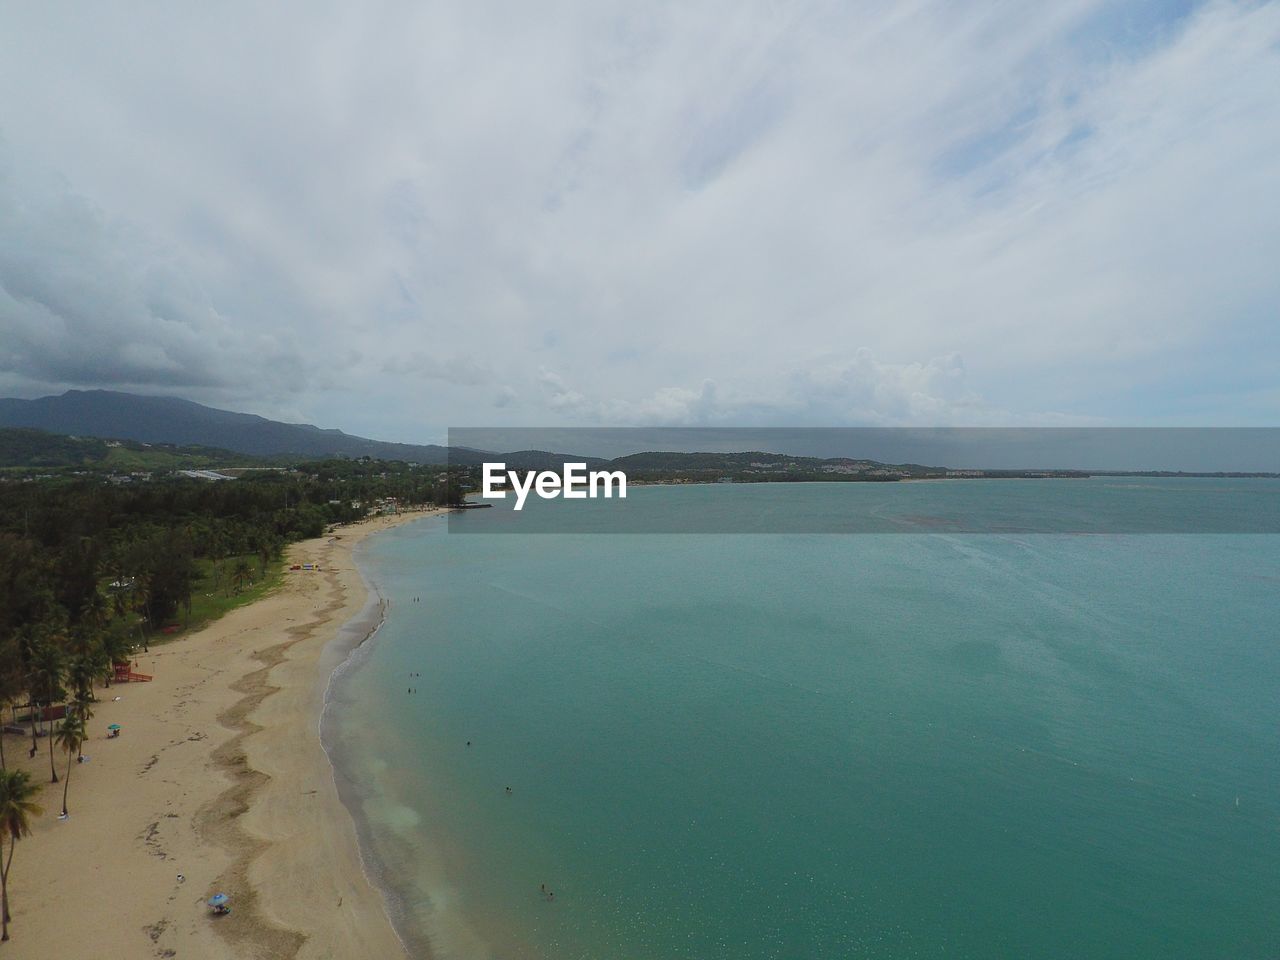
(34, 450)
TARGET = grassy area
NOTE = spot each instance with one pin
(124, 459)
(209, 602)
(33, 451)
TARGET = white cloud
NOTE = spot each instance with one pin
(458, 370)
(836, 391)
(690, 213)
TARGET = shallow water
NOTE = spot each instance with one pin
(807, 746)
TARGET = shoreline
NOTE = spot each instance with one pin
(219, 782)
(344, 658)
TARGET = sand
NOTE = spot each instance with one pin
(218, 783)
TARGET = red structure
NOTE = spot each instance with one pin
(124, 673)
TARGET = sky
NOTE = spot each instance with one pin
(396, 218)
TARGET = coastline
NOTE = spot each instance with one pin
(219, 782)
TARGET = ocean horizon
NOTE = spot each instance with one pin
(808, 746)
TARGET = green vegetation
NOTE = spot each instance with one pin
(37, 449)
(91, 567)
(217, 590)
(17, 807)
(25, 451)
(70, 737)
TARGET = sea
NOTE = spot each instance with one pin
(799, 746)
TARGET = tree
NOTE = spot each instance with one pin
(241, 574)
(27, 579)
(83, 668)
(172, 575)
(117, 647)
(69, 737)
(77, 571)
(83, 710)
(449, 492)
(93, 611)
(12, 682)
(16, 810)
(45, 685)
(216, 551)
(140, 593)
(87, 653)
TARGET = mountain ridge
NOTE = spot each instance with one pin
(111, 414)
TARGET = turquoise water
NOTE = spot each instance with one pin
(807, 746)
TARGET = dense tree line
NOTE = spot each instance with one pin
(89, 567)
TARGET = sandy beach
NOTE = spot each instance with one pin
(218, 783)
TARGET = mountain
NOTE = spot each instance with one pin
(537, 459)
(24, 448)
(109, 414)
(758, 465)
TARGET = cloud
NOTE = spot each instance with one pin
(864, 390)
(86, 300)
(668, 406)
(459, 370)
(859, 390)
(689, 213)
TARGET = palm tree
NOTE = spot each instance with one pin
(141, 593)
(121, 587)
(82, 670)
(46, 684)
(69, 737)
(12, 682)
(84, 713)
(116, 646)
(217, 552)
(93, 612)
(241, 574)
(28, 643)
(16, 809)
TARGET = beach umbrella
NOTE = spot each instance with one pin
(218, 900)
(113, 726)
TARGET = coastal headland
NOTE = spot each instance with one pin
(218, 783)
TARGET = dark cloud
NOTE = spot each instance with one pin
(88, 301)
